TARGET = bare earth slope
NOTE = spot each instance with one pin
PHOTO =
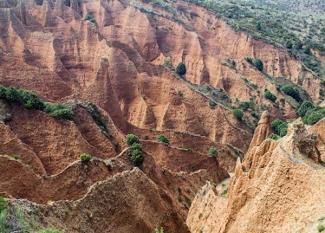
(120, 55)
(278, 188)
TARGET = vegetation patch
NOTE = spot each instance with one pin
(255, 62)
(59, 111)
(238, 114)
(314, 115)
(131, 139)
(90, 18)
(85, 157)
(212, 152)
(269, 95)
(274, 137)
(279, 127)
(29, 100)
(159, 230)
(163, 139)
(135, 152)
(181, 69)
(292, 91)
(275, 22)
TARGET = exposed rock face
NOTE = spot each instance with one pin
(127, 202)
(278, 188)
(118, 55)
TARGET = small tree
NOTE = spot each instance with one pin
(163, 139)
(136, 156)
(238, 114)
(131, 139)
(212, 152)
(259, 64)
(85, 157)
(181, 69)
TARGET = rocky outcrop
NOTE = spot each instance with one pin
(278, 188)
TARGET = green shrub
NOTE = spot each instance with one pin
(3, 204)
(181, 69)
(159, 230)
(64, 114)
(238, 114)
(135, 152)
(59, 111)
(136, 156)
(255, 62)
(268, 95)
(280, 127)
(85, 157)
(163, 139)
(48, 230)
(304, 108)
(314, 115)
(90, 18)
(19, 96)
(320, 228)
(292, 91)
(274, 137)
(131, 139)
(259, 64)
(245, 105)
(31, 101)
(212, 152)
(136, 146)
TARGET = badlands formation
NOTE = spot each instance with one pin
(112, 62)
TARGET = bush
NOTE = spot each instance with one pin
(59, 111)
(238, 114)
(19, 96)
(131, 139)
(3, 204)
(255, 62)
(304, 108)
(259, 64)
(320, 228)
(136, 156)
(159, 230)
(292, 91)
(63, 114)
(268, 95)
(85, 158)
(90, 18)
(163, 139)
(314, 115)
(181, 69)
(245, 105)
(274, 137)
(280, 127)
(212, 152)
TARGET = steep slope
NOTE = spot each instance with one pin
(113, 62)
(279, 187)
